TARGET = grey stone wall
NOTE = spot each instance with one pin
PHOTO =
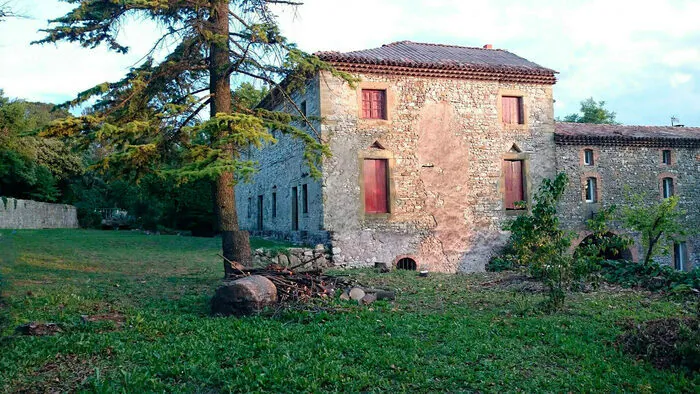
(27, 214)
(297, 258)
(638, 169)
(281, 167)
(445, 143)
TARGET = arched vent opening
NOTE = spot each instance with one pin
(406, 263)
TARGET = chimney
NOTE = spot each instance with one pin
(488, 46)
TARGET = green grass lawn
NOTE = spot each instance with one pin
(443, 333)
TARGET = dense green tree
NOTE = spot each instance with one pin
(149, 121)
(592, 112)
(30, 166)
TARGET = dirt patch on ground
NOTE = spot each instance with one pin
(39, 329)
(116, 318)
(63, 374)
(514, 281)
(664, 342)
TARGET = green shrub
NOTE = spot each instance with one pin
(652, 276)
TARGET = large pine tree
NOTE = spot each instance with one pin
(150, 120)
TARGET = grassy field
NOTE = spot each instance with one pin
(443, 333)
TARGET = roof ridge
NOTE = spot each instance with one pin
(440, 45)
(630, 125)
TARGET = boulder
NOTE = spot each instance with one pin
(244, 296)
(356, 293)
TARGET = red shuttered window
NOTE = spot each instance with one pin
(376, 182)
(512, 110)
(514, 188)
(373, 104)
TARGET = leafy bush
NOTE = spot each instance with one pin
(652, 276)
(540, 245)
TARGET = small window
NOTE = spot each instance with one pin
(261, 212)
(667, 187)
(588, 157)
(373, 104)
(591, 190)
(304, 199)
(295, 209)
(274, 204)
(512, 110)
(302, 106)
(680, 256)
(666, 157)
(250, 207)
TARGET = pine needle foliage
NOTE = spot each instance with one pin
(151, 121)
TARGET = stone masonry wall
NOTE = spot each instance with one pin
(301, 258)
(281, 167)
(445, 144)
(27, 214)
(639, 169)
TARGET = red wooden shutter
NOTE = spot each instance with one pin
(366, 103)
(513, 182)
(375, 185)
(511, 112)
(373, 104)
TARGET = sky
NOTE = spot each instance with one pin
(642, 58)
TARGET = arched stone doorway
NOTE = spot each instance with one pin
(624, 253)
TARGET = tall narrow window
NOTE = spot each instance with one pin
(302, 106)
(514, 185)
(274, 204)
(250, 207)
(512, 110)
(260, 212)
(680, 256)
(591, 190)
(304, 198)
(373, 104)
(666, 157)
(588, 157)
(295, 209)
(667, 187)
(376, 185)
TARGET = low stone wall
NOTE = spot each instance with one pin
(305, 258)
(27, 214)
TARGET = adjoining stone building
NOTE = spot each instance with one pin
(430, 153)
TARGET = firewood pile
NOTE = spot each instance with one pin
(296, 286)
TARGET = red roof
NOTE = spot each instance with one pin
(605, 134)
(437, 60)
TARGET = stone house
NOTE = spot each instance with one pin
(430, 153)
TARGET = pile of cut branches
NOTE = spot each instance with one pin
(295, 285)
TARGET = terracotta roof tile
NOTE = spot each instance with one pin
(603, 134)
(407, 57)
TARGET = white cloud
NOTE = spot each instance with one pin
(633, 55)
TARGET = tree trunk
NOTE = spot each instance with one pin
(235, 244)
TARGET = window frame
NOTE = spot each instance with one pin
(383, 106)
(680, 255)
(520, 112)
(591, 193)
(305, 198)
(667, 192)
(588, 157)
(664, 154)
(274, 204)
(523, 182)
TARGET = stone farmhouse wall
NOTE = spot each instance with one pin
(27, 214)
(445, 144)
(621, 169)
(281, 168)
